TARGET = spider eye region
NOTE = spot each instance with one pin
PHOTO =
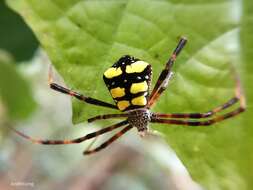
(128, 81)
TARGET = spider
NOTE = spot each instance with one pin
(129, 81)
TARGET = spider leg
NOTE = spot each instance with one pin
(106, 116)
(81, 97)
(91, 144)
(72, 141)
(210, 113)
(160, 90)
(109, 141)
(199, 123)
(239, 96)
(166, 73)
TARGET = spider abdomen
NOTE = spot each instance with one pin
(128, 81)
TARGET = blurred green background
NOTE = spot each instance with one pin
(16, 37)
(81, 39)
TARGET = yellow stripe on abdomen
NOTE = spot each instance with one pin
(112, 72)
(122, 105)
(136, 67)
(117, 92)
(139, 101)
(139, 87)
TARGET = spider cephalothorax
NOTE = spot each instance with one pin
(139, 118)
(129, 81)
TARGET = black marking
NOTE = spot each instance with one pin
(125, 80)
(124, 61)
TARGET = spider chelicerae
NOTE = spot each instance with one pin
(129, 81)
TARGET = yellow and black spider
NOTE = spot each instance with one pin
(129, 81)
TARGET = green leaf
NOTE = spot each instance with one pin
(83, 38)
(247, 67)
(22, 48)
(15, 93)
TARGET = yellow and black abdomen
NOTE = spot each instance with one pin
(128, 81)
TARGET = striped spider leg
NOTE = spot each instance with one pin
(166, 74)
(239, 96)
(163, 118)
(81, 97)
(109, 141)
(81, 139)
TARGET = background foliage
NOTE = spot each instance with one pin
(83, 38)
